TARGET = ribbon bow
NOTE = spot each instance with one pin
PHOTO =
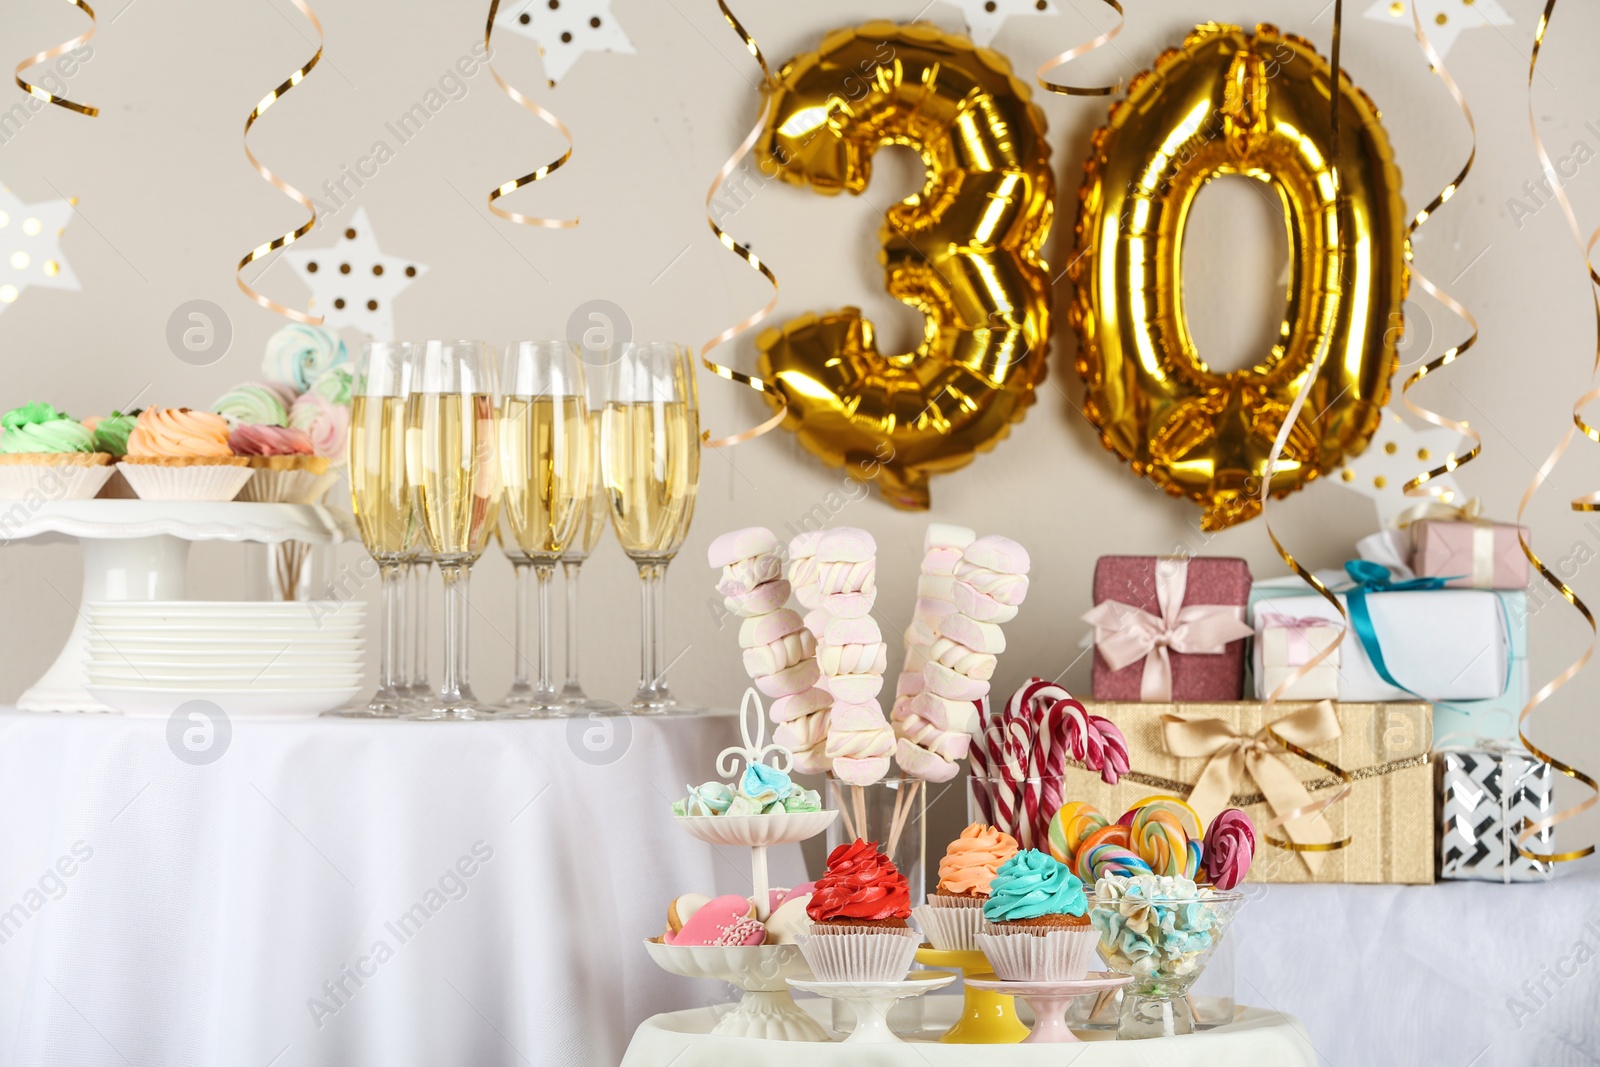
(1372, 577)
(1125, 634)
(1438, 511)
(1230, 755)
(1298, 633)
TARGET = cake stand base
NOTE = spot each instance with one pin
(872, 1002)
(987, 1018)
(1050, 1001)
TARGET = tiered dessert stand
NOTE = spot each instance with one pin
(761, 971)
(139, 550)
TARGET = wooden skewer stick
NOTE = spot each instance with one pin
(844, 812)
(861, 810)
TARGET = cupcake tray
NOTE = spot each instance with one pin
(139, 550)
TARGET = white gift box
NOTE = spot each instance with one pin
(1274, 662)
(1445, 644)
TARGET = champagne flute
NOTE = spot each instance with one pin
(520, 696)
(545, 458)
(419, 692)
(650, 454)
(452, 463)
(594, 524)
(380, 497)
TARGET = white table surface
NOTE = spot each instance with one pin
(217, 899)
(683, 1039)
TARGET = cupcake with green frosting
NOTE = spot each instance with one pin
(252, 404)
(111, 431)
(46, 455)
(1037, 921)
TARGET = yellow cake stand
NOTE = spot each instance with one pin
(986, 1018)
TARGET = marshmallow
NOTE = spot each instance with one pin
(854, 717)
(849, 605)
(855, 687)
(941, 560)
(846, 544)
(846, 661)
(998, 554)
(762, 600)
(978, 636)
(795, 679)
(797, 705)
(808, 731)
(764, 629)
(909, 684)
(817, 620)
(1006, 588)
(804, 543)
(963, 660)
(951, 684)
(920, 763)
(746, 574)
(779, 655)
(980, 606)
(949, 744)
(811, 761)
(741, 544)
(946, 535)
(955, 716)
(936, 587)
(852, 771)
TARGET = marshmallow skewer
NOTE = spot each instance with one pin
(924, 750)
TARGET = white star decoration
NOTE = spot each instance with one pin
(985, 17)
(564, 30)
(1442, 20)
(30, 246)
(1397, 453)
(353, 283)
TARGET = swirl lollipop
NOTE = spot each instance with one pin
(1106, 852)
(1158, 836)
(1229, 848)
(1074, 821)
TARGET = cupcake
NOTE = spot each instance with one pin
(953, 916)
(47, 456)
(1037, 921)
(286, 469)
(180, 454)
(858, 915)
(254, 404)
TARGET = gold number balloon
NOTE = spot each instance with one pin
(1257, 105)
(964, 251)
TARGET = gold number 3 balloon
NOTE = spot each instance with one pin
(964, 251)
(1229, 102)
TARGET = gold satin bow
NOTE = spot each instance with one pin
(1435, 511)
(1231, 754)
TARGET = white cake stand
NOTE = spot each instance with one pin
(872, 1002)
(139, 550)
(767, 1010)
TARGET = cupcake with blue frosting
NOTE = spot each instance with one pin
(1036, 921)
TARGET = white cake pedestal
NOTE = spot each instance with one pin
(139, 550)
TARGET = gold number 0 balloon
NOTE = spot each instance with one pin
(1229, 102)
(965, 251)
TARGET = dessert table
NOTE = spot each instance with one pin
(682, 1039)
(345, 893)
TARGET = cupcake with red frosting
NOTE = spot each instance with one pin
(286, 468)
(858, 914)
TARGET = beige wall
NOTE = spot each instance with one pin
(167, 205)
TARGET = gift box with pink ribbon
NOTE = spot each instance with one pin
(1169, 628)
(1285, 648)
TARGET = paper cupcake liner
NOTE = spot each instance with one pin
(860, 954)
(52, 481)
(198, 482)
(1058, 956)
(950, 929)
(286, 486)
(952, 900)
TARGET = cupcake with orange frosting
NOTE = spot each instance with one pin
(953, 915)
(182, 454)
(286, 468)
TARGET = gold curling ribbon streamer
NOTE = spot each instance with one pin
(289, 238)
(1590, 502)
(544, 171)
(1077, 52)
(1418, 486)
(1315, 807)
(748, 256)
(51, 53)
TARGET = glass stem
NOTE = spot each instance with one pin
(421, 572)
(389, 674)
(570, 569)
(519, 676)
(546, 693)
(658, 639)
(647, 667)
(455, 630)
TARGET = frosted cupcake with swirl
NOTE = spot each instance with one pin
(953, 915)
(1037, 921)
(285, 468)
(858, 913)
(45, 455)
(182, 454)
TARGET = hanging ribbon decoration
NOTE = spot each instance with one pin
(1419, 486)
(1316, 808)
(748, 256)
(1078, 51)
(1590, 502)
(52, 53)
(285, 239)
(544, 171)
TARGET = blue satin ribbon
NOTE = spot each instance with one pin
(1375, 578)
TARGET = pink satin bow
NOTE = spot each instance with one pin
(1125, 634)
(1299, 640)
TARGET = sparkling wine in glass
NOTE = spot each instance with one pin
(452, 461)
(545, 464)
(380, 498)
(650, 457)
(594, 524)
(520, 696)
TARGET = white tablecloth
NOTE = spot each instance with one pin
(682, 1039)
(344, 893)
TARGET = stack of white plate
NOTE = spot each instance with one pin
(252, 659)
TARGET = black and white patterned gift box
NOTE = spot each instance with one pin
(1486, 796)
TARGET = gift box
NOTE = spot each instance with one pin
(1388, 817)
(1168, 628)
(1284, 645)
(1474, 554)
(1487, 794)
